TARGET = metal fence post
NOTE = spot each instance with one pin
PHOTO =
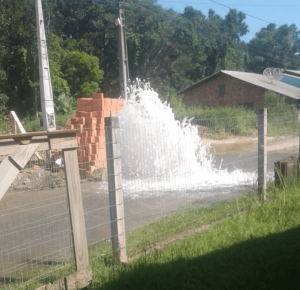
(114, 176)
(262, 151)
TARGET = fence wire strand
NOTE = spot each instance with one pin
(175, 177)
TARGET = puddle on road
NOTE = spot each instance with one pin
(233, 148)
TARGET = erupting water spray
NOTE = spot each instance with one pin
(161, 152)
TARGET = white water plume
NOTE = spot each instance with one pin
(160, 153)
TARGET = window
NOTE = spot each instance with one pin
(249, 106)
(221, 90)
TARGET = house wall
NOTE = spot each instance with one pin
(236, 92)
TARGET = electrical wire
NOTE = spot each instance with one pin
(242, 12)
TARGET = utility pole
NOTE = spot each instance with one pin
(47, 105)
(122, 50)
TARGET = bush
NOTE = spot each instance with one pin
(277, 105)
(65, 105)
(282, 117)
(239, 121)
(32, 124)
(4, 118)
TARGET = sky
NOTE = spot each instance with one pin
(276, 11)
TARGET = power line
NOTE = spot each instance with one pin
(237, 4)
(242, 11)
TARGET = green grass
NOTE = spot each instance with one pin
(4, 125)
(39, 276)
(281, 127)
(225, 122)
(241, 243)
(31, 124)
(252, 245)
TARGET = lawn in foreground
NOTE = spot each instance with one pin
(257, 248)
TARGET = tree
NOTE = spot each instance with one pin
(55, 54)
(82, 73)
(275, 47)
(233, 60)
(17, 49)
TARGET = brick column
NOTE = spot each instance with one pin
(89, 122)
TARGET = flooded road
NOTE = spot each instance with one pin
(35, 228)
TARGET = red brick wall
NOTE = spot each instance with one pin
(89, 122)
(236, 91)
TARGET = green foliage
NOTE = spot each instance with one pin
(277, 105)
(170, 252)
(168, 48)
(4, 120)
(64, 105)
(282, 117)
(221, 121)
(55, 53)
(275, 47)
(3, 101)
(32, 124)
(17, 35)
(82, 73)
(62, 119)
(233, 60)
(72, 72)
(88, 88)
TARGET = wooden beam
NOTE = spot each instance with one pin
(13, 125)
(17, 121)
(76, 209)
(62, 133)
(11, 165)
(8, 146)
(23, 154)
(61, 143)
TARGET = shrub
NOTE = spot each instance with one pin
(282, 117)
(4, 118)
(237, 121)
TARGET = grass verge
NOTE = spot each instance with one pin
(235, 243)
(256, 246)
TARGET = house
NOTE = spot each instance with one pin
(234, 88)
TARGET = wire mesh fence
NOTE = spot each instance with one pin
(35, 233)
(180, 175)
(177, 179)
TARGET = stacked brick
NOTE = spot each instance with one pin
(89, 122)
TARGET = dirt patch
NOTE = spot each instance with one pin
(37, 177)
(158, 246)
(246, 145)
(42, 177)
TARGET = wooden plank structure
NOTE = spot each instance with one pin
(14, 122)
(18, 149)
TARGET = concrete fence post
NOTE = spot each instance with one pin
(114, 176)
(262, 151)
(299, 139)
